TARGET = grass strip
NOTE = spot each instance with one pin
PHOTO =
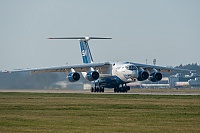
(43, 112)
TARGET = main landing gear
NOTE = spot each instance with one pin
(122, 89)
(97, 89)
(118, 89)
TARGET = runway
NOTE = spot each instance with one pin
(132, 92)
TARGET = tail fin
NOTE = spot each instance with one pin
(85, 50)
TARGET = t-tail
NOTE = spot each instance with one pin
(85, 50)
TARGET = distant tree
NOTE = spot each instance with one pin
(193, 66)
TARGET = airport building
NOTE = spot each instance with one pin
(175, 81)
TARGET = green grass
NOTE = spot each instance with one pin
(40, 112)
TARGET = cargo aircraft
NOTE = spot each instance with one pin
(114, 75)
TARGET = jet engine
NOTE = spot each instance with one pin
(156, 76)
(143, 75)
(93, 75)
(73, 76)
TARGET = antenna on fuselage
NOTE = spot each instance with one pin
(85, 50)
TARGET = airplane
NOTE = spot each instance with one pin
(115, 75)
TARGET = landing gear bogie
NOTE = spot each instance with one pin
(97, 89)
(121, 89)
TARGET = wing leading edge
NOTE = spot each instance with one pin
(66, 68)
(160, 68)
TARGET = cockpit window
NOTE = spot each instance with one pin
(131, 67)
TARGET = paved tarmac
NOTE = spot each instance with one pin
(168, 92)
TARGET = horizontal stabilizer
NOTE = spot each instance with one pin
(85, 50)
(82, 38)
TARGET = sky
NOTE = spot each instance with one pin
(165, 30)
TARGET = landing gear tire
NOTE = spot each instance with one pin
(92, 89)
(115, 89)
(97, 89)
(128, 88)
(101, 89)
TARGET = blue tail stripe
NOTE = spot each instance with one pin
(85, 51)
(89, 53)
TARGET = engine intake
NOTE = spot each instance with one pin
(143, 75)
(156, 76)
(73, 77)
(93, 75)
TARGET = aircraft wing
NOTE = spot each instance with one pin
(67, 68)
(160, 68)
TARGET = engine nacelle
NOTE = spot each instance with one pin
(156, 76)
(93, 75)
(143, 75)
(73, 76)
